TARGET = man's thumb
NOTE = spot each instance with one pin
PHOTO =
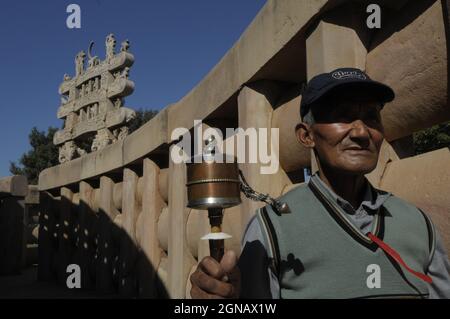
(229, 261)
(232, 273)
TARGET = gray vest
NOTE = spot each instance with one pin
(318, 253)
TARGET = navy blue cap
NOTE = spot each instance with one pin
(343, 80)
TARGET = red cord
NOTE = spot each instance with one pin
(391, 252)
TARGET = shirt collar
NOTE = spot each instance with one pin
(373, 198)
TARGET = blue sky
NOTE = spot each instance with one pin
(175, 44)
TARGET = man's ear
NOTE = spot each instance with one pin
(304, 135)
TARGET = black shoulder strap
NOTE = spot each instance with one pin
(431, 235)
(270, 237)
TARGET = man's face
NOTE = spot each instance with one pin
(347, 135)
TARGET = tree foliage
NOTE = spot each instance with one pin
(44, 154)
(433, 138)
(142, 117)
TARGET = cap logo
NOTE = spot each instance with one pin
(341, 75)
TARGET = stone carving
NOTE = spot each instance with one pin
(79, 63)
(92, 101)
(64, 99)
(121, 133)
(125, 45)
(124, 74)
(68, 151)
(92, 60)
(129, 114)
(110, 46)
(103, 138)
(118, 103)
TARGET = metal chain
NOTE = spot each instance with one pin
(257, 196)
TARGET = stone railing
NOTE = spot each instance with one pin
(120, 213)
(13, 190)
(31, 222)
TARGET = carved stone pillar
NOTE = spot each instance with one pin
(180, 259)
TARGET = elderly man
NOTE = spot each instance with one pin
(342, 238)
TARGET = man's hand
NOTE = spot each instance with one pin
(212, 280)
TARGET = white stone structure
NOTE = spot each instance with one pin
(92, 101)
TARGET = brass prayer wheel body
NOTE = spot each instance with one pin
(213, 185)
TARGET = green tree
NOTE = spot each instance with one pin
(433, 138)
(43, 154)
(142, 117)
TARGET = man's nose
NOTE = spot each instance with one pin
(360, 132)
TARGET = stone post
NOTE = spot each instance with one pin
(106, 249)
(46, 241)
(65, 234)
(150, 257)
(255, 112)
(11, 235)
(128, 243)
(86, 244)
(180, 259)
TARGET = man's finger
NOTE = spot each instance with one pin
(211, 267)
(197, 293)
(211, 285)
